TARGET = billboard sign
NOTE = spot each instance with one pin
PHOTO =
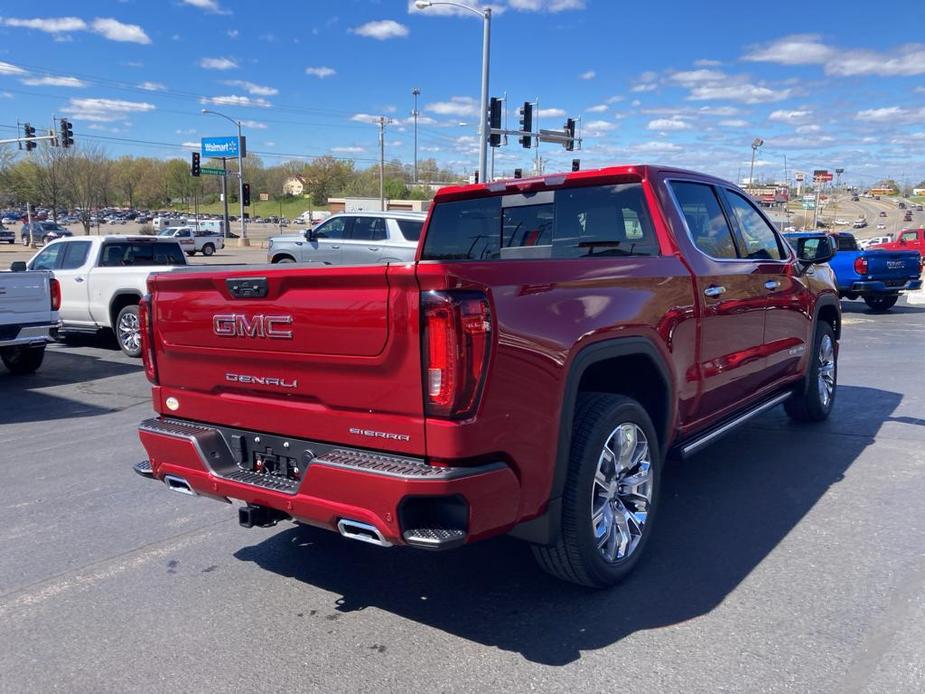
(821, 175)
(222, 147)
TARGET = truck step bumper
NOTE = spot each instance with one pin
(406, 500)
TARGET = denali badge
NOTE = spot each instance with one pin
(379, 434)
(262, 380)
(238, 325)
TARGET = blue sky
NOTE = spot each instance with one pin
(826, 84)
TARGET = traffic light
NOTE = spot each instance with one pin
(526, 124)
(494, 122)
(570, 134)
(28, 132)
(66, 130)
(246, 194)
(576, 164)
(518, 173)
(194, 168)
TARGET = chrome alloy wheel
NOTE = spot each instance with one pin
(826, 379)
(129, 331)
(622, 492)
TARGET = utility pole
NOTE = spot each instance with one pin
(225, 194)
(382, 122)
(536, 111)
(415, 93)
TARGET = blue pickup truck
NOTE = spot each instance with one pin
(876, 276)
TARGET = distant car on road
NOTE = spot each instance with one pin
(881, 225)
(193, 241)
(883, 213)
(360, 238)
(7, 235)
(42, 232)
(908, 216)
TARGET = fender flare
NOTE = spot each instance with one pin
(118, 294)
(545, 528)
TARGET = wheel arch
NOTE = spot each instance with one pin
(121, 299)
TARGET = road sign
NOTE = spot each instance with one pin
(211, 171)
(264, 197)
(809, 198)
(799, 176)
(222, 147)
(821, 176)
(809, 204)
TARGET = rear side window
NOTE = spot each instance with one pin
(75, 255)
(410, 230)
(569, 223)
(909, 236)
(368, 229)
(708, 227)
(128, 254)
(846, 242)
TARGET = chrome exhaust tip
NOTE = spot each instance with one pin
(179, 485)
(364, 532)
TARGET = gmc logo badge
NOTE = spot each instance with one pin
(239, 325)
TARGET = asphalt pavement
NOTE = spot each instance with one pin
(787, 559)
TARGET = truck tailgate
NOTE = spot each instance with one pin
(889, 264)
(330, 354)
(25, 297)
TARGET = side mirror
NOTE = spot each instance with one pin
(311, 235)
(816, 249)
(18, 266)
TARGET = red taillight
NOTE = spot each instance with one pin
(456, 344)
(55, 291)
(146, 327)
(860, 265)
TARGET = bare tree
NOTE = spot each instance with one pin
(89, 178)
(50, 181)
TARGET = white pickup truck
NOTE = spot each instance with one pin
(193, 240)
(28, 317)
(103, 278)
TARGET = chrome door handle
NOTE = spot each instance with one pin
(335, 248)
(78, 279)
(771, 285)
(372, 249)
(713, 291)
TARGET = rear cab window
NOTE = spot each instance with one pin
(140, 254)
(586, 222)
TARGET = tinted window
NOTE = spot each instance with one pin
(705, 219)
(760, 241)
(846, 242)
(183, 234)
(410, 230)
(464, 230)
(134, 254)
(75, 255)
(48, 258)
(908, 236)
(368, 229)
(603, 220)
(527, 226)
(333, 229)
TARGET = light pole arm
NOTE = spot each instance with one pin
(481, 13)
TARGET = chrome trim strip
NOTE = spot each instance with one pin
(713, 434)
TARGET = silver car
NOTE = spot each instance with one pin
(352, 238)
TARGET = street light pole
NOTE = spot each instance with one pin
(485, 14)
(243, 241)
(414, 114)
(756, 143)
(382, 163)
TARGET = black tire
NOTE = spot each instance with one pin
(576, 557)
(881, 303)
(191, 253)
(284, 259)
(808, 404)
(127, 331)
(208, 249)
(23, 360)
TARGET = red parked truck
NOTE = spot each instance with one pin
(554, 340)
(907, 240)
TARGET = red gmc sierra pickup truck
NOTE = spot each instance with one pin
(555, 339)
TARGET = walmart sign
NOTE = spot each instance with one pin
(222, 147)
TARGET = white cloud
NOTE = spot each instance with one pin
(462, 106)
(218, 64)
(381, 30)
(597, 128)
(153, 86)
(236, 100)
(734, 123)
(668, 124)
(891, 114)
(655, 147)
(795, 116)
(718, 110)
(233, 33)
(10, 69)
(599, 108)
(688, 77)
(52, 81)
(50, 25)
(703, 62)
(105, 110)
(644, 87)
(195, 146)
(732, 90)
(251, 88)
(353, 149)
(546, 5)
(255, 124)
(188, 131)
(808, 49)
(587, 75)
(552, 113)
(807, 129)
(114, 30)
(615, 99)
(321, 71)
(207, 5)
(364, 118)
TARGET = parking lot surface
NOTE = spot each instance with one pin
(787, 559)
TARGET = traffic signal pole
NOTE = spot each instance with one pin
(225, 194)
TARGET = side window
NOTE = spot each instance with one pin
(909, 236)
(333, 229)
(112, 255)
(183, 234)
(410, 230)
(846, 242)
(75, 255)
(48, 258)
(603, 221)
(368, 229)
(464, 230)
(759, 238)
(705, 219)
